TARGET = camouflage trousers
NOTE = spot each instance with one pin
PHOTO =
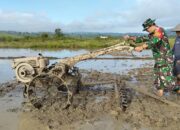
(164, 78)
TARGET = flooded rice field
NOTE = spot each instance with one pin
(96, 106)
(109, 65)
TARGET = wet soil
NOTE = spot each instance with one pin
(97, 107)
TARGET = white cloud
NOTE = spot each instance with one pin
(165, 11)
(26, 22)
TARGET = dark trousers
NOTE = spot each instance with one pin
(176, 69)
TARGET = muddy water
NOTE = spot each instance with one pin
(50, 53)
(10, 109)
(112, 66)
(6, 72)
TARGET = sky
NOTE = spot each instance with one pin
(121, 16)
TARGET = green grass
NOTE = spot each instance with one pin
(71, 43)
(3, 34)
(15, 41)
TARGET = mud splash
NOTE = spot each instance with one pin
(95, 107)
(10, 100)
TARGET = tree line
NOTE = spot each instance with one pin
(58, 34)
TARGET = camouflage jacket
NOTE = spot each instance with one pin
(159, 44)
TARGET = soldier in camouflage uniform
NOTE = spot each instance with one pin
(157, 41)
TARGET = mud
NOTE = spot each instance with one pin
(7, 87)
(96, 106)
(10, 100)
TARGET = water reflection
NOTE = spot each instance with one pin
(49, 53)
(113, 66)
(6, 72)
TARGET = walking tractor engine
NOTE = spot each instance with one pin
(60, 79)
(27, 68)
(43, 80)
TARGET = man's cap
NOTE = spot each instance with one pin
(148, 23)
(177, 28)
